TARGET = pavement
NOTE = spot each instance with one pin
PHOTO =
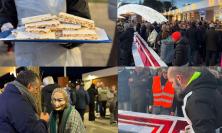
(92, 54)
(100, 125)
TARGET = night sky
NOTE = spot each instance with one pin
(73, 73)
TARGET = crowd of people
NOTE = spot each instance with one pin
(163, 91)
(29, 104)
(178, 43)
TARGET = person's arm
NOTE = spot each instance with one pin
(78, 8)
(201, 115)
(8, 13)
(23, 118)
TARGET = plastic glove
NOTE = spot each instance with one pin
(7, 26)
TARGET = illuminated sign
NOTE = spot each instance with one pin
(194, 6)
(211, 2)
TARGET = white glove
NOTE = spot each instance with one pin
(6, 27)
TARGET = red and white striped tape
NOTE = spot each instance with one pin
(144, 55)
(151, 123)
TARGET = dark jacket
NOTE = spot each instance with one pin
(192, 37)
(126, 39)
(143, 33)
(204, 106)
(93, 92)
(82, 99)
(46, 97)
(140, 87)
(123, 87)
(8, 11)
(125, 45)
(181, 53)
(201, 31)
(212, 40)
(220, 40)
(72, 92)
(17, 115)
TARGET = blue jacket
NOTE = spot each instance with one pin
(17, 115)
(82, 99)
(167, 50)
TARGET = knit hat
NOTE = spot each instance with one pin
(176, 36)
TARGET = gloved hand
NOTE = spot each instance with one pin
(7, 26)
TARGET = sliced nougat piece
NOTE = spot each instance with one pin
(38, 18)
(67, 18)
(82, 34)
(66, 27)
(32, 36)
(43, 24)
(38, 30)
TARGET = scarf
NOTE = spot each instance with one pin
(27, 95)
(53, 124)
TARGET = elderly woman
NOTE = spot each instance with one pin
(64, 117)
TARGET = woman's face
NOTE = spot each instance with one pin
(58, 101)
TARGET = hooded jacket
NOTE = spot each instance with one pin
(204, 106)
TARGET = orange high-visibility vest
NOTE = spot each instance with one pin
(162, 96)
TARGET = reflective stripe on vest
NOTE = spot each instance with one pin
(162, 97)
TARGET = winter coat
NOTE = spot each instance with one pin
(192, 37)
(46, 97)
(167, 50)
(203, 106)
(212, 40)
(103, 94)
(123, 87)
(92, 95)
(17, 115)
(125, 47)
(152, 37)
(181, 53)
(82, 99)
(140, 86)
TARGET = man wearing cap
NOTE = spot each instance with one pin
(181, 50)
(82, 99)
